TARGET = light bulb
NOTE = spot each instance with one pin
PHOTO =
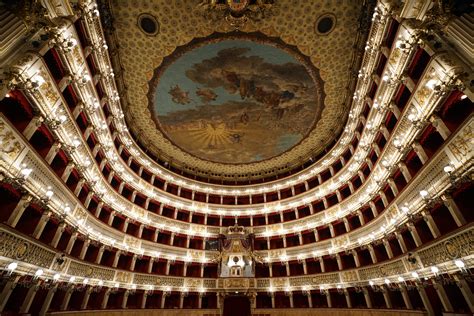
(49, 193)
(76, 142)
(72, 279)
(39, 272)
(460, 264)
(387, 281)
(38, 80)
(448, 169)
(371, 283)
(415, 274)
(434, 269)
(56, 276)
(400, 279)
(431, 83)
(26, 172)
(12, 266)
(424, 193)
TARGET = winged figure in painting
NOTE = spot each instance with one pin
(179, 96)
(206, 95)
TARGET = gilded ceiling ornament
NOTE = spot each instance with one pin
(235, 12)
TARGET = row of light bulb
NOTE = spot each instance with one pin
(72, 279)
(415, 275)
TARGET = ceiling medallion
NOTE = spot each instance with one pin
(236, 12)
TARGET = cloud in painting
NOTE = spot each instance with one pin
(281, 86)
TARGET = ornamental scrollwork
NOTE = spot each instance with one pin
(458, 246)
(17, 248)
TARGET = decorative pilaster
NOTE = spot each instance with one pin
(85, 299)
(454, 210)
(466, 292)
(47, 300)
(431, 224)
(368, 301)
(348, 298)
(18, 211)
(443, 297)
(41, 225)
(414, 234)
(28, 299)
(426, 301)
(105, 300)
(58, 234)
(7, 291)
(420, 152)
(66, 298)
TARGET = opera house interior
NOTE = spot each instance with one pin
(126, 190)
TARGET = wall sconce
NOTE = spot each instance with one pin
(12, 266)
(460, 264)
(98, 287)
(38, 273)
(24, 174)
(306, 290)
(149, 290)
(323, 290)
(271, 290)
(56, 277)
(340, 289)
(132, 289)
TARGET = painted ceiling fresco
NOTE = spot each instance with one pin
(235, 100)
